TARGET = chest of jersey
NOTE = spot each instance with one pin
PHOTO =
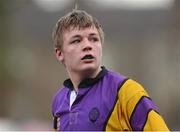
(91, 108)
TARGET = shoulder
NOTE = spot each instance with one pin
(115, 77)
(60, 94)
(58, 97)
(132, 94)
(131, 88)
(127, 88)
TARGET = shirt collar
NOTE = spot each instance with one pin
(87, 81)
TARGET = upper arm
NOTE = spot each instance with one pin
(138, 109)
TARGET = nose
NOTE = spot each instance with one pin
(87, 46)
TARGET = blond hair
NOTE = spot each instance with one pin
(74, 19)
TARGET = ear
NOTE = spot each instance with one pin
(59, 54)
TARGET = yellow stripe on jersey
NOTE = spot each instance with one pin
(132, 108)
(155, 122)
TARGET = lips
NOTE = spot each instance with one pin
(87, 57)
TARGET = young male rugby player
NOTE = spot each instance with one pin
(96, 98)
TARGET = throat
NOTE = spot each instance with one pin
(77, 78)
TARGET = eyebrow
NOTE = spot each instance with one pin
(93, 34)
(77, 36)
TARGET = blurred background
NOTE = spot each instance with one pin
(142, 41)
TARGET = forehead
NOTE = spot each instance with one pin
(68, 34)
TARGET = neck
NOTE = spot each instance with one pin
(76, 78)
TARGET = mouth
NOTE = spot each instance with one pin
(87, 57)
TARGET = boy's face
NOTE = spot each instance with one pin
(82, 49)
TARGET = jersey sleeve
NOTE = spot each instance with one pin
(138, 110)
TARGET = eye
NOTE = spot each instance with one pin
(94, 39)
(76, 41)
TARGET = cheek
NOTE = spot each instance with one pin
(99, 50)
(71, 56)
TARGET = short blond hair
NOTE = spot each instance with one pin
(74, 19)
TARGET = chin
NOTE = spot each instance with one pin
(89, 67)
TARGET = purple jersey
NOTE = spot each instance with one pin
(108, 102)
(93, 105)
